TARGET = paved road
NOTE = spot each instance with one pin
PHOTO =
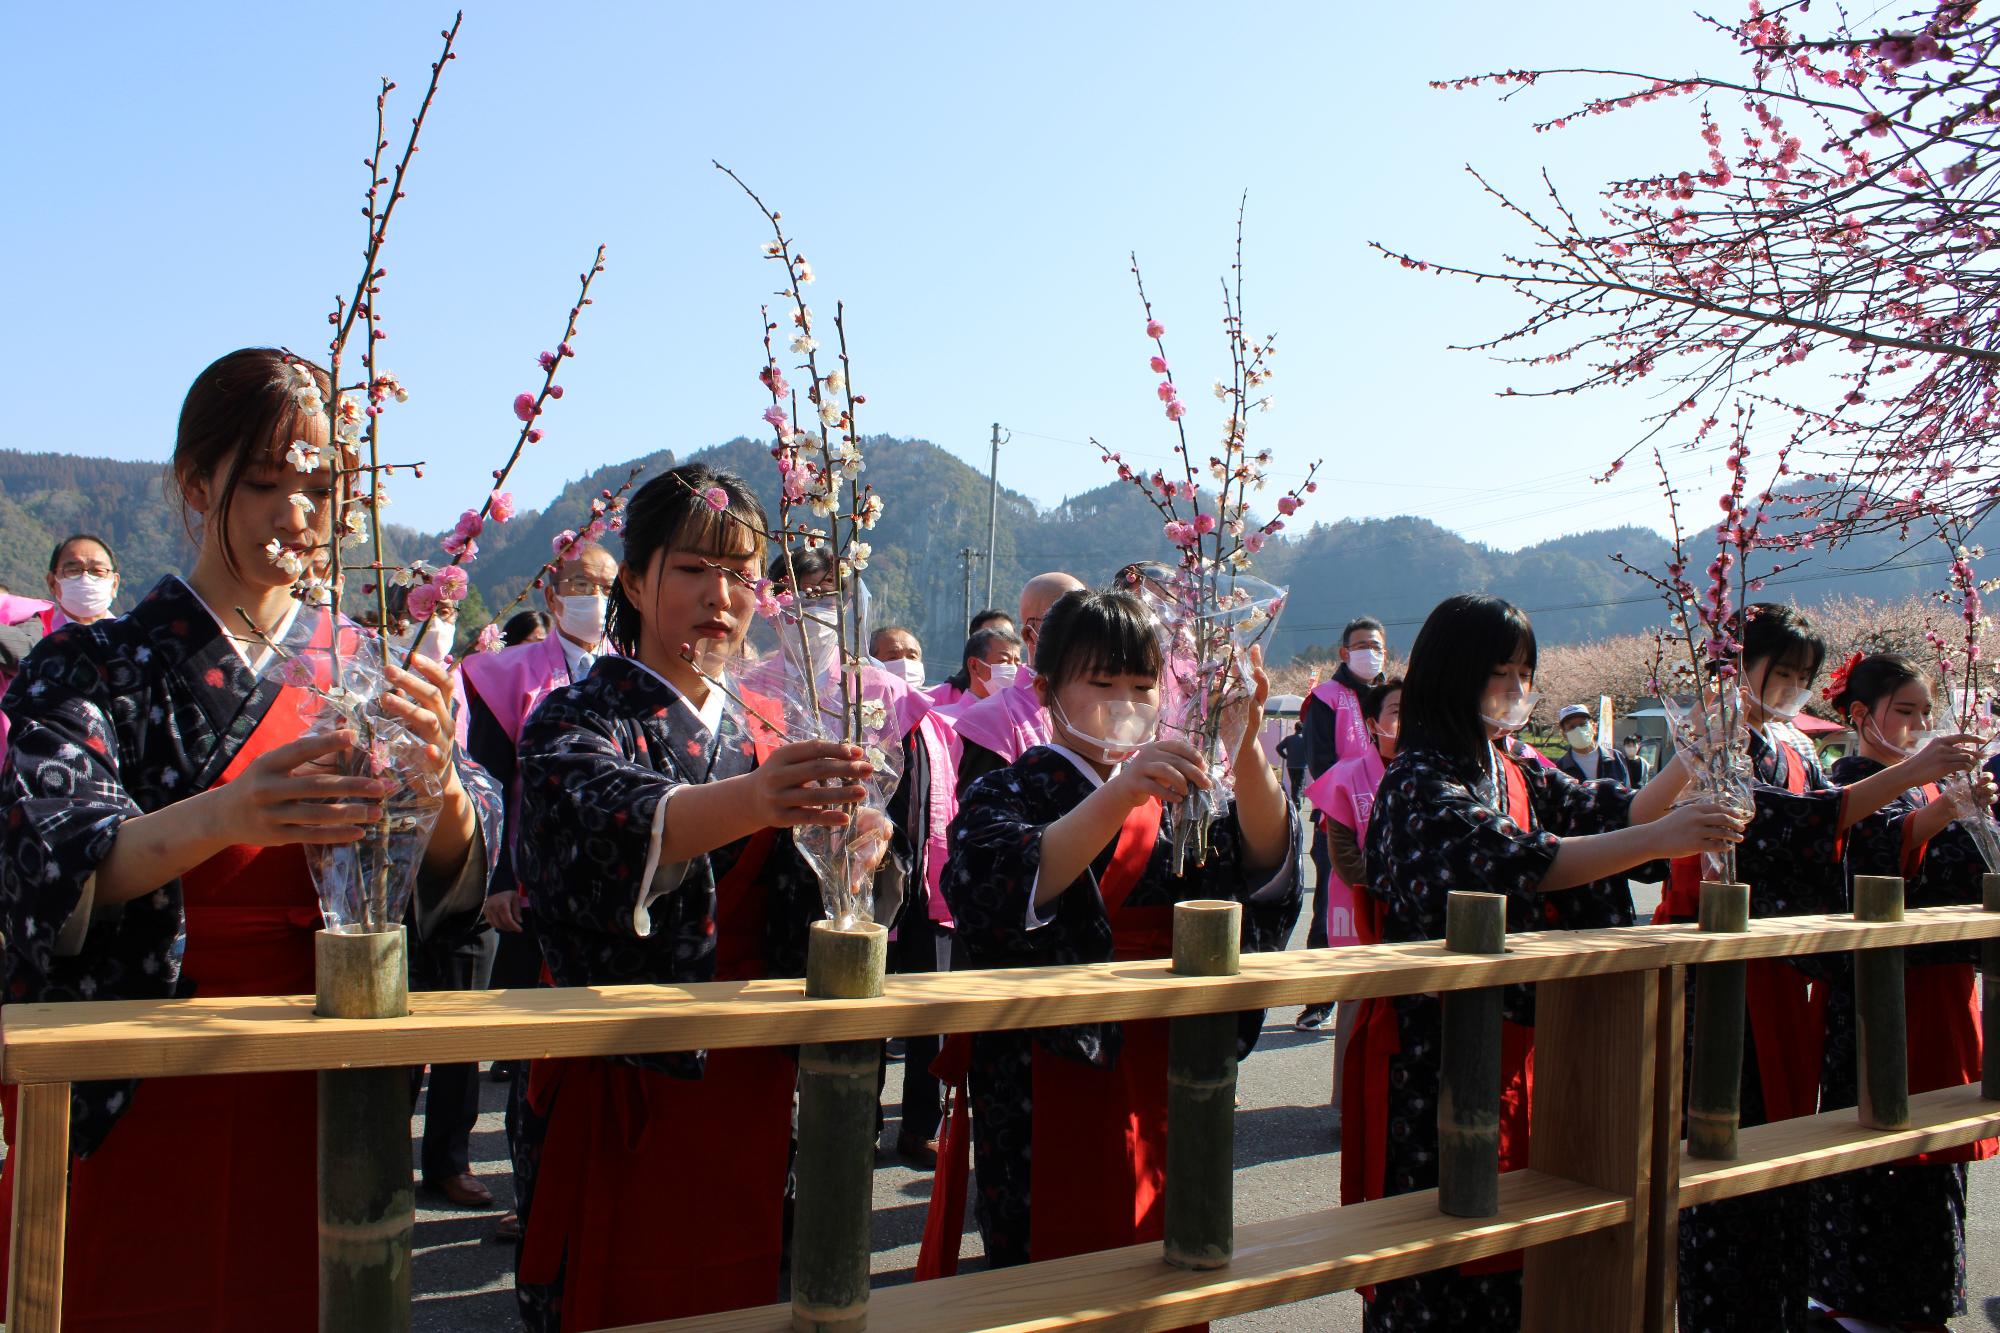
(1287, 1162)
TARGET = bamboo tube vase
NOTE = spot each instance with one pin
(367, 1203)
(1715, 1074)
(1881, 1037)
(836, 1159)
(1989, 989)
(1469, 1092)
(1201, 1096)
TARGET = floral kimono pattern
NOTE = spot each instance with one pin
(990, 885)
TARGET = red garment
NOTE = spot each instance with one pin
(200, 1212)
(662, 1197)
(1364, 1102)
(1098, 1155)
(1941, 1024)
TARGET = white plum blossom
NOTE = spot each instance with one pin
(285, 558)
(303, 456)
(804, 343)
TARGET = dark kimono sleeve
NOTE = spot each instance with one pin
(1793, 854)
(995, 857)
(62, 801)
(592, 819)
(1430, 835)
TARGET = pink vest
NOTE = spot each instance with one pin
(14, 610)
(944, 694)
(514, 680)
(1008, 723)
(942, 747)
(1350, 735)
(1345, 794)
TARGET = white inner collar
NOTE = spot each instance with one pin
(1083, 765)
(231, 636)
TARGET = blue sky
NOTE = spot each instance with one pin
(968, 180)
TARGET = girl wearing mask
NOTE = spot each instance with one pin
(83, 582)
(152, 819)
(1908, 1267)
(655, 846)
(1062, 857)
(1744, 1262)
(1455, 810)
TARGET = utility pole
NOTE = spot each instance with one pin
(992, 512)
(969, 555)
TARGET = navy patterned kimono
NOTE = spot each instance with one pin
(1438, 826)
(990, 883)
(1889, 1241)
(598, 760)
(1744, 1261)
(121, 718)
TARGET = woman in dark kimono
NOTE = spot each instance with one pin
(1888, 1242)
(155, 805)
(655, 845)
(1744, 1262)
(1063, 857)
(1455, 811)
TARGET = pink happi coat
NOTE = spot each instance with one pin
(1008, 722)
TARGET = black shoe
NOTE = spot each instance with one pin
(1313, 1017)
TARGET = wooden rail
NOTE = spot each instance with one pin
(1595, 1213)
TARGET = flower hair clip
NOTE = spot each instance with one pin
(1836, 681)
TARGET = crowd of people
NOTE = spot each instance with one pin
(609, 819)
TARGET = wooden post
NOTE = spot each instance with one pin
(1715, 1078)
(1663, 1231)
(1989, 989)
(1597, 1060)
(41, 1209)
(836, 1160)
(1881, 1039)
(1201, 1096)
(1469, 1092)
(367, 1203)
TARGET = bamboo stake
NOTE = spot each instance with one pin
(1469, 1091)
(1201, 1096)
(836, 1159)
(1881, 1037)
(1715, 1074)
(1989, 989)
(367, 1204)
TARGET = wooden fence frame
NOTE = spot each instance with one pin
(1595, 1211)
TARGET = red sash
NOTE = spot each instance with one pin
(1097, 1150)
(662, 1197)
(1941, 1018)
(234, 1154)
(1365, 1087)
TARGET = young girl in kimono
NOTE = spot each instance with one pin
(655, 844)
(1744, 1262)
(1888, 1242)
(1455, 811)
(153, 813)
(1062, 857)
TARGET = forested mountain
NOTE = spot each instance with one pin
(1394, 568)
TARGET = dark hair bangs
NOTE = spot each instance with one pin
(1089, 633)
(1463, 640)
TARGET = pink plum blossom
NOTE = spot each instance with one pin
(489, 638)
(1176, 410)
(547, 360)
(716, 498)
(1159, 365)
(423, 601)
(1180, 534)
(452, 584)
(1204, 524)
(1155, 329)
(1288, 505)
(524, 406)
(561, 543)
(501, 506)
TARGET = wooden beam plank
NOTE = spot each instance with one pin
(1292, 1259)
(1593, 1124)
(1834, 1141)
(64, 1042)
(41, 1210)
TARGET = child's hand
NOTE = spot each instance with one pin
(1164, 771)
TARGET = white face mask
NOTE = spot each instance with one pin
(1918, 740)
(1116, 728)
(582, 618)
(1365, 663)
(86, 596)
(911, 669)
(1000, 675)
(1583, 738)
(1514, 712)
(1784, 701)
(436, 641)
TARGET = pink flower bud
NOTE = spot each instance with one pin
(562, 541)
(1288, 505)
(1176, 410)
(1159, 365)
(535, 436)
(1166, 390)
(1155, 329)
(547, 360)
(565, 350)
(524, 406)
(555, 391)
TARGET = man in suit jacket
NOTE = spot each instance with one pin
(1585, 759)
